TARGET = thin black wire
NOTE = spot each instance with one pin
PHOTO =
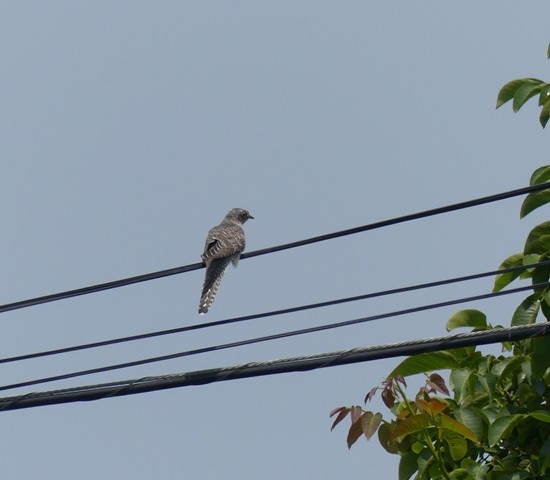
(273, 367)
(199, 326)
(271, 337)
(196, 266)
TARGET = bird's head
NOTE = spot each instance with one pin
(239, 214)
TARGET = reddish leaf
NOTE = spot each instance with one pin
(388, 397)
(369, 396)
(335, 411)
(401, 379)
(411, 425)
(356, 413)
(342, 413)
(438, 406)
(422, 405)
(423, 393)
(437, 383)
(355, 431)
(402, 414)
(432, 406)
(387, 382)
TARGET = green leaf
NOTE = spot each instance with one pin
(508, 91)
(384, 435)
(501, 426)
(449, 423)
(460, 474)
(525, 92)
(538, 240)
(425, 362)
(370, 423)
(531, 259)
(504, 279)
(417, 447)
(408, 465)
(541, 174)
(463, 383)
(540, 360)
(541, 415)
(477, 471)
(527, 311)
(533, 201)
(544, 95)
(545, 113)
(488, 381)
(544, 456)
(507, 370)
(469, 417)
(467, 318)
(491, 413)
(435, 470)
(462, 354)
(545, 307)
(540, 274)
(425, 461)
(410, 425)
(526, 372)
(458, 447)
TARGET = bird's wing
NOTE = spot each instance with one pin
(223, 242)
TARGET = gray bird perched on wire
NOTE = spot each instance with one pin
(224, 244)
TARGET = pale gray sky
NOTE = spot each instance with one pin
(129, 128)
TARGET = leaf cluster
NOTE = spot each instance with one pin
(522, 89)
(492, 421)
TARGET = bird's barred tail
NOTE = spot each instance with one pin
(212, 280)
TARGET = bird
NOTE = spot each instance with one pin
(224, 244)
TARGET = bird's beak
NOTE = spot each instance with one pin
(250, 216)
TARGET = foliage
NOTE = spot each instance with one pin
(496, 422)
(522, 89)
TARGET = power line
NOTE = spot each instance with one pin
(272, 313)
(266, 338)
(274, 367)
(99, 287)
(351, 231)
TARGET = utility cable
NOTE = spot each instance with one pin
(273, 367)
(351, 231)
(271, 337)
(199, 326)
